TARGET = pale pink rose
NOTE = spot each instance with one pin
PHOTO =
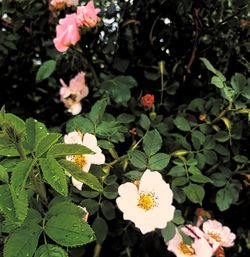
(67, 33)
(87, 15)
(199, 248)
(148, 203)
(84, 161)
(72, 95)
(216, 233)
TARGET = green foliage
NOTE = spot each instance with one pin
(45, 70)
(69, 230)
(23, 242)
(54, 175)
(49, 250)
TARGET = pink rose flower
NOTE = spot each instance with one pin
(216, 233)
(87, 15)
(67, 33)
(72, 95)
(199, 248)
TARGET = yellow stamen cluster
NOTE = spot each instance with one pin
(146, 201)
(215, 236)
(186, 249)
(80, 160)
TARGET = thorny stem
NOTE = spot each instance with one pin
(39, 186)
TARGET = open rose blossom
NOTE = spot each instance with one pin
(67, 33)
(147, 101)
(58, 4)
(87, 15)
(216, 233)
(199, 248)
(148, 204)
(84, 161)
(72, 95)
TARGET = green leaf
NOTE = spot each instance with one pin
(54, 175)
(35, 131)
(108, 209)
(69, 230)
(208, 65)
(49, 250)
(85, 178)
(177, 171)
(45, 70)
(4, 177)
(220, 179)
(133, 174)
(217, 82)
(180, 181)
(20, 203)
(178, 218)
(23, 242)
(119, 88)
(105, 144)
(199, 178)
(15, 121)
(222, 150)
(111, 191)
(101, 229)
(228, 195)
(81, 124)
(6, 203)
(45, 143)
(238, 82)
(97, 111)
(152, 142)
(222, 136)
(210, 157)
(144, 122)
(20, 174)
(158, 161)
(168, 232)
(201, 160)
(240, 158)
(61, 150)
(125, 118)
(182, 124)
(246, 92)
(107, 128)
(198, 139)
(91, 205)
(195, 193)
(64, 207)
(138, 159)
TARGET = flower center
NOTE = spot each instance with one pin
(186, 249)
(215, 236)
(80, 160)
(146, 201)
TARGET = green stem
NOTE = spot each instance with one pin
(97, 250)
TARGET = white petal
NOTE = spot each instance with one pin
(98, 158)
(73, 138)
(90, 141)
(75, 108)
(77, 184)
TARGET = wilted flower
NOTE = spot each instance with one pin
(72, 95)
(199, 248)
(148, 204)
(147, 101)
(67, 33)
(58, 4)
(216, 233)
(84, 161)
(87, 15)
